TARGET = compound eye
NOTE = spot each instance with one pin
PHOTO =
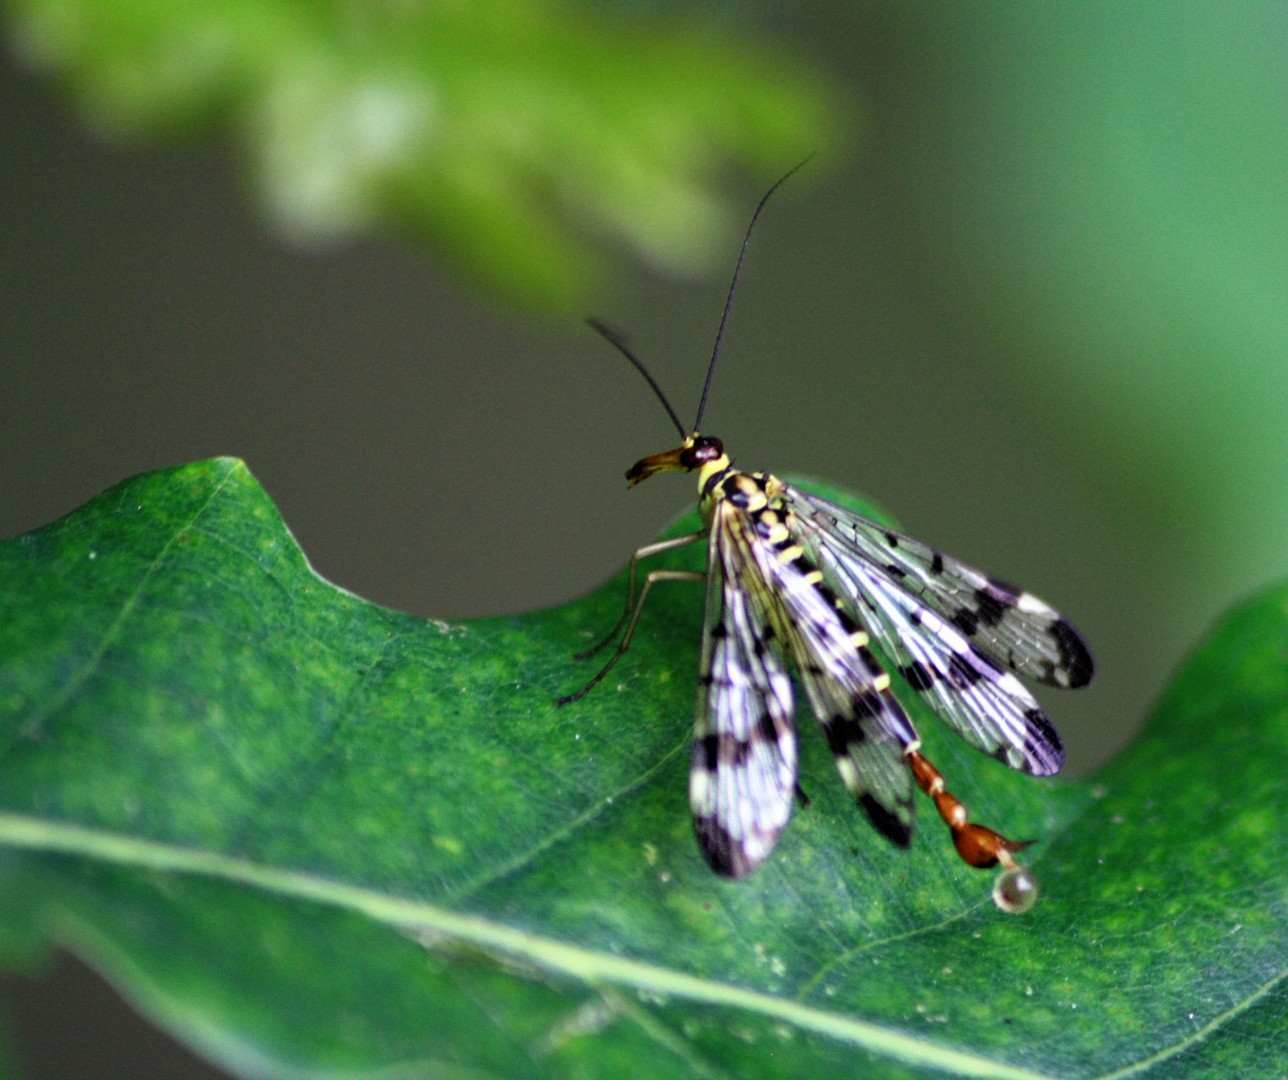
(705, 448)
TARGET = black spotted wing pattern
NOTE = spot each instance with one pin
(866, 727)
(1013, 627)
(743, 774)
(956, 635)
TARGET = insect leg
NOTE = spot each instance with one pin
(653, 576)
(643, 553)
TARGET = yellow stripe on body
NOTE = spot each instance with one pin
(710, 469)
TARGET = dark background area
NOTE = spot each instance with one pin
(442, 455)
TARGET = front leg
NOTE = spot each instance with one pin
(631, 616)
(642, 553)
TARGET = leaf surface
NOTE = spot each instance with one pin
(313, 836)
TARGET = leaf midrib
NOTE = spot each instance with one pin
(583, 964)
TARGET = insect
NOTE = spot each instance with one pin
(794, 577)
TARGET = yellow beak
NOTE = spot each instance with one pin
(666, 461)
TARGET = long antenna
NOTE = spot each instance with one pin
(615, 340)
(715, 353)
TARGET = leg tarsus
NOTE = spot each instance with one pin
(625, 643)
(642, 553)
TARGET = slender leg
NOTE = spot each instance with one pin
(634, 618)
(643, 553)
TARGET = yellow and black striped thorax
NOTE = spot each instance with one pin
(760, 495)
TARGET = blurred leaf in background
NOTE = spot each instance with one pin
(509, 133)
(1095, 198)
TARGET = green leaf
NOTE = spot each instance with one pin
(509, 133)
(310, 836)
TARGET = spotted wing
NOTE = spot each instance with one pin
(865, 725)
(743, 777)
(899, 588)
(1013, 627)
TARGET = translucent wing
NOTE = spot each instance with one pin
(743, 777)
(865, 725)
(899, 588)
(982, 701)
(1013, 628)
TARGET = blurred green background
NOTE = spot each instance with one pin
(1032, 296)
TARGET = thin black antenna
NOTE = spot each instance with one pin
(715, 353)
(615, 340)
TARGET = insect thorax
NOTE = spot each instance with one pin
(760, 494)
